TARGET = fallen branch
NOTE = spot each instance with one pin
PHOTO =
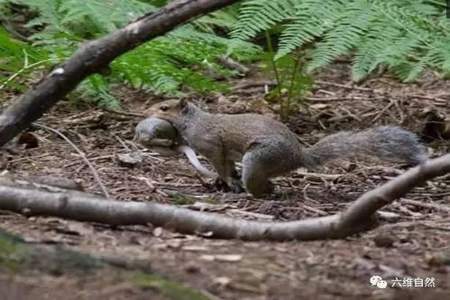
(95, 56)
(230, 63)
(370, 202)
(27, 199)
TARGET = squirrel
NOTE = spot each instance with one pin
(157, 132)
(267, 148)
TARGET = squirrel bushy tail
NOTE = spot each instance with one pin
(388, 143)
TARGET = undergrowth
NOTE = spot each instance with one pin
(403, 36)
(180, 61)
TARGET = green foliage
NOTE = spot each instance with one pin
(95, 89)
(292, 82)
(406, 36)
(259, 15)
(77, 20)
(11, 52)
(16, 58)
(180, 57)
(168, 289)
(176, 62)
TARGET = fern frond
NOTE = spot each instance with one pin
(95, 89)
(311, 20)
(49, 11)
(258, 15)
(344, 36)
(402, 35)
(240, 49)
(225, 19)
(106, 16)
(169, 64)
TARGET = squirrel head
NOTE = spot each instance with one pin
(169, 110)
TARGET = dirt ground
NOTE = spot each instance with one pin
(413, 242)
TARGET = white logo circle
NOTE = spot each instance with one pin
(382, 284)
(375, 279)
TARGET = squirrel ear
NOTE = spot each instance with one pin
(183, 104)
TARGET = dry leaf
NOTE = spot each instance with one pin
(222, 281)
(203, 206)
(157, 231)
(318, 106)
(195, 248)
(222, 257)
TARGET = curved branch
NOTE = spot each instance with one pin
(95, 56)
(26, 199)
(367, 204)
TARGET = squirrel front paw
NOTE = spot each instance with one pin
(235, 186)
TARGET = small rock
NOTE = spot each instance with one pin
(28, 140)
(129, 160)
(192, 268)
(383, 240)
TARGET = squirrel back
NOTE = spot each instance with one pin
(232, 134)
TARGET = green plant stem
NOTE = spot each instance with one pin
(274, 66)
(295, 71)
(26, 67)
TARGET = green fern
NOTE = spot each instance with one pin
(259, 15)
(311, 19)
(406, 36)
(102, 16)
(77, 20)
(177, 62)
(96, 90)
(17, 56)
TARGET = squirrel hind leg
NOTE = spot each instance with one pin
(262, 162)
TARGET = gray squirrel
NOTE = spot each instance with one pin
(267, 148)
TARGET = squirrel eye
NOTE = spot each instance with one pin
(164, 107)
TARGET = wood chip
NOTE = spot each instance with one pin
(222, 257)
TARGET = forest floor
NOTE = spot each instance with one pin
(413, 243)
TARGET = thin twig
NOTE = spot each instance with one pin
(319, 175)
(124, 113)
(353, 98)
(426, 205)
(383, 111)
(81, 153)
(122, 143)
(351, 87)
